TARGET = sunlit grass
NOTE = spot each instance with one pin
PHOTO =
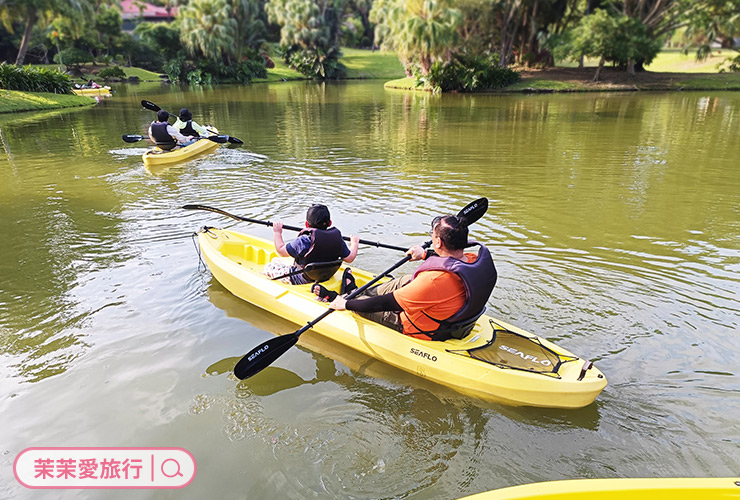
(544, 84)
(368, 64)
(13, 100)
(675, 61)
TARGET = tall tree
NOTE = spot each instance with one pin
(421, 31)
(207, 29)
(29, 12)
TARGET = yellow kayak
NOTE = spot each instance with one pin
(620, 489)
(158, 156)
(496, 361)
(102, 91)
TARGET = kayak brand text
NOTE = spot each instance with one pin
(526, 357)
(423, 354)
(261, 350)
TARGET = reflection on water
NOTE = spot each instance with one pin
(613, 221)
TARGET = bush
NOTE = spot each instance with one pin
(30, 79)
(468, 74)
(205, 72)
(112, 72)
(316, 63)
(73, 57)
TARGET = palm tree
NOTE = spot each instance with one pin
(207, 30)
(419, 30)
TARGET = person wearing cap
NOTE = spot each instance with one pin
(445, 295)
(164, 135)
(187, 126)
(319, 242)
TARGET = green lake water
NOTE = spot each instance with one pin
(614, 221)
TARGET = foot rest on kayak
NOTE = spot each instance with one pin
(316, 271)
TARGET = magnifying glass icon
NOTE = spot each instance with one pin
(177, 472)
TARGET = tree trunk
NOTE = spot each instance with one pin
(598, 70)
(30, 23)
(631, 66)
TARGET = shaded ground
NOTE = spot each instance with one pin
(581, 79)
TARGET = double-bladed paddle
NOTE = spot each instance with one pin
(221, 139)
(153, 107)
(290, 228)
(266, 353)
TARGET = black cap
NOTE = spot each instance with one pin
(185, 114)
(318, 216)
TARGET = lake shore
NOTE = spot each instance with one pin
(14, 101)
(581, 80)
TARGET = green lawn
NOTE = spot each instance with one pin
(372, 65)
(675, 61)
(13, 100)
(144, 75)
(359, 63)
(672, 61)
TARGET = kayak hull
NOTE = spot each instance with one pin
(237, 260)
(156, 156)
(102, 91)
(619, 489)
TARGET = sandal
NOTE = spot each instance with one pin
(322, 293)
(348, 282)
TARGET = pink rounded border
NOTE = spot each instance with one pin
(195, 468)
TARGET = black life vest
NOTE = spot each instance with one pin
(189, 130)
(326, 246)
(161, 137)
(478, 277)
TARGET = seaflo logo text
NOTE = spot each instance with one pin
(526, 357)
(104, 468)
(423, 354)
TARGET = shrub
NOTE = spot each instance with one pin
(73, 57)
(468, 74)
(112, 72)
(30, 79)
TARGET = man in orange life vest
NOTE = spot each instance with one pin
(447, 292)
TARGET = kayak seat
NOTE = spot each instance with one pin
(166, 146)
(316, 271)
(456, 330)
(321, 271)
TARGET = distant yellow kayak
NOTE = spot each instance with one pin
(496, 361)
(156, 156)
(620, 489)
(102, 91)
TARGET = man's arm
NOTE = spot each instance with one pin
(176, 134)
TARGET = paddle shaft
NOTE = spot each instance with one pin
(291, 228)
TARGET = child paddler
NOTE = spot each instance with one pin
(319, 242)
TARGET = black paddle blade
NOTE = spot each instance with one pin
(221, 139)
(150, 105)
(235, 140)
(474, 211)
(263, 355)
(131, 137)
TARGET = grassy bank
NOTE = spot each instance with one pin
(13, 100)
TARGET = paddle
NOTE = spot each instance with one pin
(153, 107)
(291, 228)
(266, 353)
(221, 139)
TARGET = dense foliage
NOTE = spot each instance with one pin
(29, 79)
(468, 74)
(224, 40)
